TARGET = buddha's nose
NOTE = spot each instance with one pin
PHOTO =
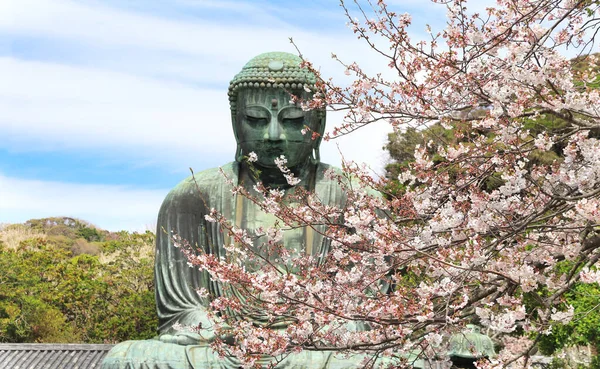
(274, 131)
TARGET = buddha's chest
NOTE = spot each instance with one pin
(267, 231)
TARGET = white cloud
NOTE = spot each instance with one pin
(108, 207)
(55, 106)
(219, 49)
(144, 88)
(95, 24)
(49, 106)
(261, 11)
(362, 146)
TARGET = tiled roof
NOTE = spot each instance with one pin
(51, 355)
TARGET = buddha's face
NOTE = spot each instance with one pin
(270, 126)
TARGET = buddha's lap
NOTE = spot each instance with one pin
(155, 354)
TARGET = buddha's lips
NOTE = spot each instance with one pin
(269, 147)
(270, 151)
(273, 149)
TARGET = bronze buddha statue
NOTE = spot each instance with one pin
(268, 124)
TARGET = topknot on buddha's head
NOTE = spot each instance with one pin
(271, 70)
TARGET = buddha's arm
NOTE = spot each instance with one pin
(176, 284)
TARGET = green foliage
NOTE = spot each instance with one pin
(68, 227)
(580, 66)
(90, 234)
(81, 246)
(45, 224)
(61, 241)
(401, 145)
(584, 329)
(62, 289)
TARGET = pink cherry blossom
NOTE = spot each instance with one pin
(403, 271)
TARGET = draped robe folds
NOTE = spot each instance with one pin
(183, 213)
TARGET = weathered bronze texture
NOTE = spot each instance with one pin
(267, 123)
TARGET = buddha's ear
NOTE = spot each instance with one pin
(322, 118)
(239, 155)
(321, 131)
(238, 151)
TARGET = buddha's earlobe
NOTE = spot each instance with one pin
(239, 155)
(316, 156)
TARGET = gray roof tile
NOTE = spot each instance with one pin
(51, 355)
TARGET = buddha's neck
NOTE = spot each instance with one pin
(274, 178)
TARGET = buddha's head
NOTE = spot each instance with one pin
(265, 121)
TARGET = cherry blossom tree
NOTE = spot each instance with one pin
(408, 269)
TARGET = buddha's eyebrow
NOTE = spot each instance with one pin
(258, 109)
(291, 112)
(256, 106)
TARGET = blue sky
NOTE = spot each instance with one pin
(104, 105)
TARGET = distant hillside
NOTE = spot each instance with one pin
(64, 280)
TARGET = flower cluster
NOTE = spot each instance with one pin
(287, 173)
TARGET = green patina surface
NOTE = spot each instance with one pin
(266, 123)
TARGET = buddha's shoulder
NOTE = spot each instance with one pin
(206, 181)
(326, 181)
(334, 178)
(325, 172)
